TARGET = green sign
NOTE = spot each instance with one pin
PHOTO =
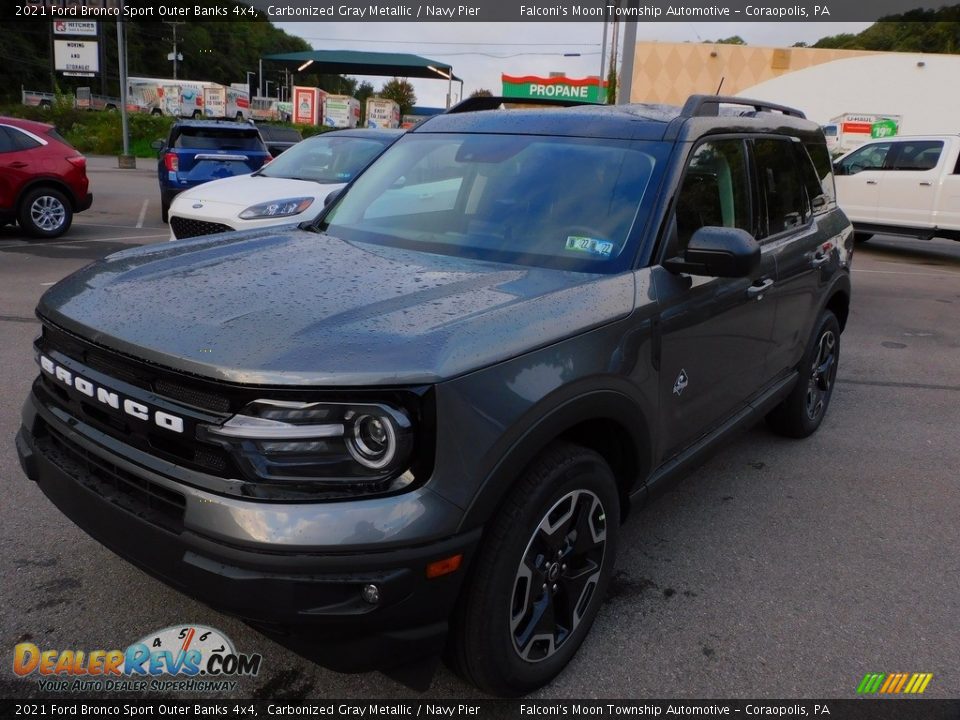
(560, 88)
(883, 128)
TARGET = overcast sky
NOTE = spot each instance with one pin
(528, 48)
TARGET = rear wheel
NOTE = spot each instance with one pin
(802, 412)
(862, 237)
(541, 575)
(164, 209)
(45, 213)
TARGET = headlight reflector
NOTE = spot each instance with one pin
(332, 444)
(277, 208)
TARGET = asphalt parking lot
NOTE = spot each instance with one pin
(777, 569)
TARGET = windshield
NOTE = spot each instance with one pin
(549, 201)
(326, 159)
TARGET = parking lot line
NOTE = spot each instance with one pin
(143, 212)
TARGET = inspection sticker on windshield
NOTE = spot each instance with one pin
(579, 243)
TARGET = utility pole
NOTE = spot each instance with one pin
(126, 161)
(175, 54)
(629, 51)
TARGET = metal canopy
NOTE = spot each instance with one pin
(353, 62)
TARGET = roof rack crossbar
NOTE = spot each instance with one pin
(709, 105)
(494, 102)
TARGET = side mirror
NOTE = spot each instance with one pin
(157, 145)
(332, 196)
(718, 252)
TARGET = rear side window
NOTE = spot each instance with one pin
(915, 155)
(781, 185)
(20, 140)
(6, 141)
(196, 138)
(824, 168)
(715, 190)
(52, 133)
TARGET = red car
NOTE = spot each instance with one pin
(43, 179)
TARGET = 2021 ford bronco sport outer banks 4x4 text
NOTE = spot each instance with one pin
(420, 423)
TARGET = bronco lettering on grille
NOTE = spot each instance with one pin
(108, 397)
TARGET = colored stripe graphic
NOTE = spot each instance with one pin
(894, 683)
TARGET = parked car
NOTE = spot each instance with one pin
(43, 179)
(292, 188)
(420, 425)
(198, 151)
(279, 138)
(906, 185)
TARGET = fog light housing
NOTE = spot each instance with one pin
(370, 594)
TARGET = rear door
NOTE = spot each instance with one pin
(19, 161)
(794, 202)
(908, 193)
(715, 332)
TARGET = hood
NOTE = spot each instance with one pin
(246, 190)
(298, 308)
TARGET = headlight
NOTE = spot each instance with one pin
(277, 208)
(333, 445)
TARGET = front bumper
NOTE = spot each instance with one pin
(289, 582)
(218, 215)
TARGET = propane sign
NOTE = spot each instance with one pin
(561, 88)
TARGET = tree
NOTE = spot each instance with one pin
(482, 92)
(732, 40)
(401, 92)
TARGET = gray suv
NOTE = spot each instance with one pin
(418, 425)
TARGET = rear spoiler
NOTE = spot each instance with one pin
(493, 103)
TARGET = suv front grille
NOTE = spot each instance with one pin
(187, 227)
(148, 500)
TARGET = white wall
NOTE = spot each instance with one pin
(927, 97)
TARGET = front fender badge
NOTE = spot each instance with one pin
(682, 381)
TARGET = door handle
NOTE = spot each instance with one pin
(17, 164)
(757, 291)
(819, 260)
(871, 182)
(926, 183)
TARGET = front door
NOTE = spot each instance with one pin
(715, 332)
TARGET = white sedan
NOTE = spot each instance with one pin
(290, 189)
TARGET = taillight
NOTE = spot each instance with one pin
(269, 159)
(78, 161)
(171, 162)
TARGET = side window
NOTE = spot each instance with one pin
(916, 155)
(21, 141)
(824, 169)
(715, 190)
(6, 141)
(781, 186)
(870, 157)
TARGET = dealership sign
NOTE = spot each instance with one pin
(561, 88)
(72, 27)
(76, 57)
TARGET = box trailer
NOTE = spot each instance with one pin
(382, 113)
(308, 105)
(341, 111)
(851, 130)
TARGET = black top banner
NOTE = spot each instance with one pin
(373, 709)
(735, 11)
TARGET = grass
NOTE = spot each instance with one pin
(100, 133)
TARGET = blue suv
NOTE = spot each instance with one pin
(198, 151)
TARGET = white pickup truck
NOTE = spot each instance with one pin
(905, 185)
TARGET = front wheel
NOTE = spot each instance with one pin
(861, 237)
(45, 213)
(541, 575)
(802, 412)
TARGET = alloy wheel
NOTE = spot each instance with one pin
(48, 213)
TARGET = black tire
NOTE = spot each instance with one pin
(45, 213)
(801, 413)
(156, 111)
(164, 211)
(861, 237)
(573, 491)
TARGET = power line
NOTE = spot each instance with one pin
(438, 42)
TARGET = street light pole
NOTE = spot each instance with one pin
(126, 161)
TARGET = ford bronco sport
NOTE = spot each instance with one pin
(418, 424)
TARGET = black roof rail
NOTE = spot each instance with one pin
(709, 106)
(494, 102)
